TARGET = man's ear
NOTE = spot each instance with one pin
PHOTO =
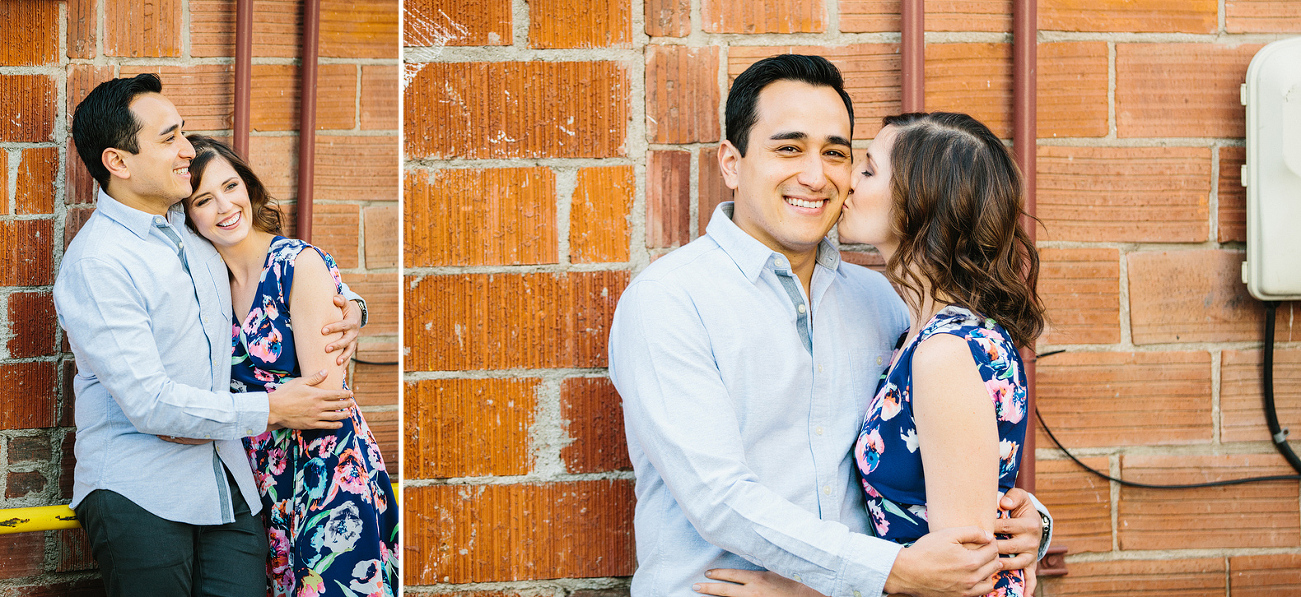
(728, 160)
(114, 160)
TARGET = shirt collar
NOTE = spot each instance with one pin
(751, 255)
(138, 222)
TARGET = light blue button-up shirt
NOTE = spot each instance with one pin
(742, 400)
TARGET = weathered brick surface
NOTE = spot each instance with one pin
(1193, 296)
(668, 198)
(456, 22)
(668, 18)
(22, 554)
(356, 168)
(359, 29)
(1232, 213)
(517, 110)
(1241, 393)
(386, 426)
(1126, 399)
(1262, 16)
(335, 229)
(598, 216)
(29, 449)
(82, 35)
(778, 16)
(594, 419)
(82, 78)
(1265, 576)
(91, 587)
(1264, 516)
(499, 321)
(469, 427)
(1200, 577)
(941, 15)
(975, 78)
(376, 385)
(711, 188)
(594, 24)
(26, 257)
(76, 217)
(483, 533)
(380, 103)
(480, 217)
(681, 94)
(35, 383)
(27, 108)
(204, 95)
(1180, 90)
(1158, 194)
(275, 104)
(73, 551)
(1191, 16)
(23, 483)
(38, 171)
(1071, 89)
(381, 233)
(1081, 288)
(142, 28)
(275, 160)
(277, 28)
(30, 29)
(381, 293)
(32, 323)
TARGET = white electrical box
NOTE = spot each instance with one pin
(1272, 174)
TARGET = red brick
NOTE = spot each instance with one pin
(82, 78)
(469, 427)
(871, 71)
(668, 199)
(1241, 394)
(68, 374)
(681, 94)
(1180, 90)
(275, 103)
(31, 388)
(335, 229)
(32, 323)
(35, 448)
(1233, 196)
(90, 587)
(277, 28)
(778, 16)
(598, 216)
(381, 229)
(1265, 576)
(37, 173)
(4, 188)
(376, 385)
(27, 108)
(1125, 399)
(500, 216)
(25, 252)
(711, 188)
(275, 160)
(440, 23)
(381, 294)
(82, 23)
(1072, 89)
(142, 28)
(479, 110)
(592, 24)
(359, 29)
(1262, 16)
(1194, 296)
(972, 78)
(22, 554)
(72, 550)
(204, 94)
(484, 533)
(73, 222)
(870, 260)
(503, 321)
(385, 426)
(68, 462)
(357, 168)
(593, 415)
(22, 484)
(380, 105)
(1154, 194)
(1167, 578)
(668, 18)
(1138, 16)
(1215, 517)
(1081, 288)
(79, 187)
(30, 29)
(874, 16)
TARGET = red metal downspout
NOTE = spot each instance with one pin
(912, 50)
(243, 73)
(1025, 28)
(307, 118)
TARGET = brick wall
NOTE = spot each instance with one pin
(53, 53)
(553, 153)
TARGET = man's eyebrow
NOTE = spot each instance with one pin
(838, 140)
(789, 136)
(169, 130)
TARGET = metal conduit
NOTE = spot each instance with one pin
(307, 118)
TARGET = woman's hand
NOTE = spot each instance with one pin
(350, 326)
(752, 583)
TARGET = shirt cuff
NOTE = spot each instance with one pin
(1047, 538)
(868, 561)
(253, 410)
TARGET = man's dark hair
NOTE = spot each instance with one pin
(743, 100)
(104, 120)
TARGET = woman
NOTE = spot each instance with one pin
(941, 199)
(327, 500)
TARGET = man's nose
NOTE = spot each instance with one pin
(813, 173)
(187, 148)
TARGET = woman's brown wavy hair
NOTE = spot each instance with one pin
(266, 214)
(958, 203)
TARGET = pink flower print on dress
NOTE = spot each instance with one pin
(878, 518)
(368, 572)
(263, 375)
(327, 445)
(282, 574)
(350, 476)
(312, 586)
(1006, 405)
(276, 461)
(868, 451)
(267, 348)
(889, 402)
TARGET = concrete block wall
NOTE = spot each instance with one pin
(53, 53)
(553, 152)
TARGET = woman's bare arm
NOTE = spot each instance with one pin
(311, 307)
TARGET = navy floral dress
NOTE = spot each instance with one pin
(889, 462)
(327, 501)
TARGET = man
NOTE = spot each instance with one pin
(746, 361)
(146, 306)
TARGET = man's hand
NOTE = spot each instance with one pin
(350, 326)
(946, 563)
(299, 404)
(184, 441)
(751, 583)
(1024, 530)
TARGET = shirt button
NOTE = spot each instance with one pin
(818, 430)
(796, 578)
(819, 368)
(857, 594)
(826, 489)
(878, 360)
(801, 308)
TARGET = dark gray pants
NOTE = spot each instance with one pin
(140, 554)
